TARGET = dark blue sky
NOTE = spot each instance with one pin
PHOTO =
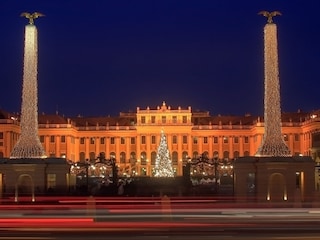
(101, 57)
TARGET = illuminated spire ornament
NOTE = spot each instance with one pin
(272, 143)
(163, 166)
(29, 145)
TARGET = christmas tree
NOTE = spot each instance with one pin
(163, 166)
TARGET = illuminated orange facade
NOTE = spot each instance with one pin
(132, 138)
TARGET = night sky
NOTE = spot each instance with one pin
(103, 57)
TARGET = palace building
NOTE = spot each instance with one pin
(132, 138)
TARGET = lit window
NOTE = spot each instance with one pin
(51, 181)
(153, 119)
(143, 119)
(174, 119)
(184, 119)
(163, 119)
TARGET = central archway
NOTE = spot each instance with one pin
(25, 187)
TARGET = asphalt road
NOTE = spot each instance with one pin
(199, 220)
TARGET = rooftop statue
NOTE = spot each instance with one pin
(270, 15)
(31, 16)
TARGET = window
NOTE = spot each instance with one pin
(112, 155)
(102, 140)
(92, 140)
(153, 158)
(42, 139)
(205, 140)
(82, 140)
(112, 140)
(143, 139)
(63, 139)
(296, 137)
(174, 158)
(92, 156)
(215, 139)
(153, 139)
(285, 137)
(195, 140)
(143, 119)
(143, 158)
(184, 119)
(163, 119)
(133, 140)
(122, 157)
(82, 157)
(246, 139)
(51, 181)
(184, 139)
(52, 139)
(236, 140)
(225, 139)
(1, 135)
(174, 119)
(122, 140)
(153, 119)
(174, 139)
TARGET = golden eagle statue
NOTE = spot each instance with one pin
(31, 16)
(270, 15)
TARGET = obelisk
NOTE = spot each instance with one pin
(272, 144)
(28, 144)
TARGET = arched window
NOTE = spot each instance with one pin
(122, 157)
(92, 156)
(174, 158)
(215, 154)
(153, 158)
(143, 158)
(195, 155)
(225, 155)
(205, 154)
(246, 153)
(82, 157)
(112, 155)
(236, 154)
(185, 157)
(133, 158)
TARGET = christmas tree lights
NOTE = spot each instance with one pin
(29, 145)
(163, 166)
(272, 143)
